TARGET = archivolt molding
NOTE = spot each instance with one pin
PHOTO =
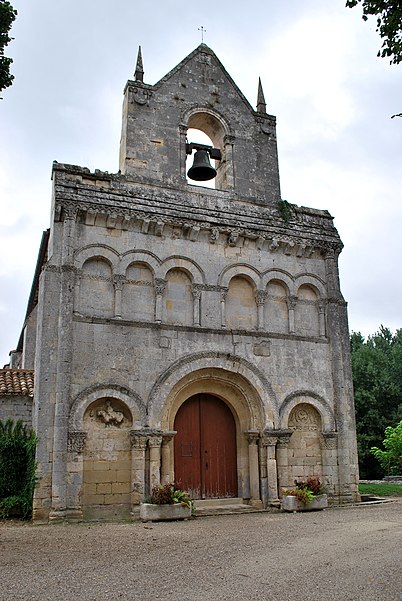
(183, 263)
(96, 251)
(82, 401)
(139, 256)
(309, 398)
(313, 281)
(254, 386)
(281, 276)
(239, 269)
(188, 116)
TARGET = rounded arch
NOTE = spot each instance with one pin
(211, 372)
(308, 398)
(311, 280)
(96, 251)
(208, 120)
(187, 265)
(281, 276)
(139, 256)
(88, 396)
(239, 269)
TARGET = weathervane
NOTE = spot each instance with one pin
(202, 33)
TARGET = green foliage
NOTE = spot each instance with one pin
(17, 468)
(389, 25)
(381, 490)
(305, 491)
(377, 381)
(168, 494)
(7, 16)
(285, 210)
(391, 458)
(312, 484)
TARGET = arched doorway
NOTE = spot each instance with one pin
(205, 448)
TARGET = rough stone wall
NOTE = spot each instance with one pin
(16, 407)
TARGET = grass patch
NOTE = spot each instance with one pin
(381, 490)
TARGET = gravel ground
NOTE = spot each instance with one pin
(341, 554)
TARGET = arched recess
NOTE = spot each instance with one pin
(96, 250)
(276, 308)
(139, 256)
(90, 395)
(216, 127)
(307, 314)
(316, 401)
(254, 401)
(240, 304)
(138, 294)
(178, 304)
(240, 269)
(304, 448)
(189, 266)
(106, 461)
(96, 291)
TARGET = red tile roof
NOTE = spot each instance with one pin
(16, 381)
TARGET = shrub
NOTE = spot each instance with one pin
(168, 494)
(17, 469)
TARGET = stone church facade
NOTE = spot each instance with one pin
(184, 333)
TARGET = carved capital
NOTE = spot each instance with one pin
(228, 139)
(138, 439)
(269, 438)
(154, 440)
(292, 302)
(260, 296)
(76, 442)
(118, 281)
(252, 436)
(160, 285)
(223, 292)
(196, 291)
(330, 441)
(168, 436)
(283, 438)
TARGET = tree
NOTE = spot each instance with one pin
(389, 25)
(391, 459)
(377, 381)
(7, 17)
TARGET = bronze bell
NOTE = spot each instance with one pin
(202, 170)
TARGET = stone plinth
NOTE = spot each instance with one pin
(291, 503)
(161, 513)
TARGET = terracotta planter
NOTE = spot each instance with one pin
(161, 513)
(290, 503)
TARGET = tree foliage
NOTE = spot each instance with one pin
(391, 458)
(377, 381)
(17, 468)
(7, 17)
(389, 24)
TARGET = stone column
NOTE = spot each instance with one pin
(75, 465)
(292, 300)
(260, 296)
(154, 442)
(224, 292)
(255, 497)
(138, 447)
(118, 282)
(269, 441)
(167, 467)
(160, 286)
(226, 179)
(63, 372)
(196, 292)
(182, 149)
(77, 287)
(321, 317)
(282, 459)
(329, 448)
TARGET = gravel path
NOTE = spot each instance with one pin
(348, 554)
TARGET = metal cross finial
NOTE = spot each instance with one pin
(202, 33)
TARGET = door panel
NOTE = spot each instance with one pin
(205, 448)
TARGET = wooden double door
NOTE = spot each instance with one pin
(205, 448)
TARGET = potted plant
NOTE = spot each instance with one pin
(167, 502)
(305, 496)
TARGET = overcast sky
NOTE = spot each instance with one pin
(333, 98)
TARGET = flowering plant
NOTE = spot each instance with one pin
(305, 491)
(169, 494)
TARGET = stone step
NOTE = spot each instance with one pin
(204, 507)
